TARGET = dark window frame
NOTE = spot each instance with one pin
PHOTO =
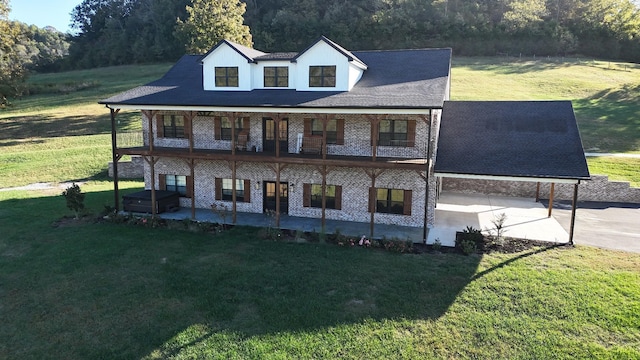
(316, 196)
(174, 184)
(171, 128)
(225, 127)
(227, 190)
(326, 77)
(332, 135)
(388, 205)
(394, 136)
(224, 76)
(280, 76)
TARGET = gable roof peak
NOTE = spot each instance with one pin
(348, 54)
(246, 52)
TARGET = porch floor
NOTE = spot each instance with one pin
(526, 219)
(348, 228)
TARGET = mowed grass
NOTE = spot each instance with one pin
(105, 291)
(618, 168)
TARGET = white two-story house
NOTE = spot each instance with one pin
(324, 133)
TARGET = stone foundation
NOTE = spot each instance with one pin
(599, 188)
(133, 169)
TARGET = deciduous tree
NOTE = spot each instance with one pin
(210, 21)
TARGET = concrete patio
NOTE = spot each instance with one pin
(526, 219)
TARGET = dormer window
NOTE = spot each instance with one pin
(322, 76)
(276, 76)
(226, 76)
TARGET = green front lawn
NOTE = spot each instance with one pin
(90, 291)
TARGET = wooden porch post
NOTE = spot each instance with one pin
(115, 157)
(373, 195)
(324, 196)
(574, 204)
(152, 164)
(150, 114)
(375, 121)
(277, 191)
(192, 166)
(551, 198)
(234, 199)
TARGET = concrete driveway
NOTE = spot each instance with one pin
(613, 226)
(526, 218)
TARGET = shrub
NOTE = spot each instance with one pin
(468, 247)
(75, 199)
(469, 234)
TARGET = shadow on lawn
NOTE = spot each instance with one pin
(45, 126)
(132, 290)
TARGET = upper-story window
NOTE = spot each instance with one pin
(173, 126)
(322, 76)
(225, 124)
(226, 76)
(276, 76)
(332, 131)
(393, 133)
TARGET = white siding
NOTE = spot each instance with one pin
(321, 54)
(257, 72)
(225, 56)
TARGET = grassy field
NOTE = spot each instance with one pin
(105, 291)
(61, 133)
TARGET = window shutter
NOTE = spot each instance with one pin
(307, 127)
(217, 128)
(187, 127)
(407, 202)
(246, 124)
(162, 182)
(411, 133)
(338, 197)
(189, 186)
(218, 188)
(247, 191)
(372, 194)
(340, 131)
(159, 125)
(306, 195)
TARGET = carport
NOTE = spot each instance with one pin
(522, 141)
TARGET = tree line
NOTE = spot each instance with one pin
(134, 31)
(114, 32)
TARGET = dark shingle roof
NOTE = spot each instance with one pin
(537, 139)
(247, 52)
(394, 79)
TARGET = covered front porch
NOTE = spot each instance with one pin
(526, 219)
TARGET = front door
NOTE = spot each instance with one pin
(269, 135)
(270, 196)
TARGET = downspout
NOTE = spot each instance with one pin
(427, 178)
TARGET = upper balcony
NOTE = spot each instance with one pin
(295, 150)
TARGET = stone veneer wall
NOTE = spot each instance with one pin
(355, 186)
(129, 169)
(599, 188)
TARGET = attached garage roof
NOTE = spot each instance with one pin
(530, 140)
